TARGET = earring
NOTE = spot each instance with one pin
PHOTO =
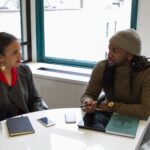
(3, 67)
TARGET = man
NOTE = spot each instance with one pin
(124, 77)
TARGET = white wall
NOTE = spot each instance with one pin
(59, 94)
(143, 25)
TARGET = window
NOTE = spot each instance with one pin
(14, 20)
(79, 35)
(10, 9)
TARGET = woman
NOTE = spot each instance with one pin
(18, 94)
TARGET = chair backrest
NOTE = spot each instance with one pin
(144, 141)
(44, 104)
(101, 97)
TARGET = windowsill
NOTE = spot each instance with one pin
(73, 77)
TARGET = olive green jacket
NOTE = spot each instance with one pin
(136, 103)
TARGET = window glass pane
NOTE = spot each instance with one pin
(83, 33)
(10, 17)
(14, 21)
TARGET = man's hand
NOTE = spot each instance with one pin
(89, 105)
(104, 106)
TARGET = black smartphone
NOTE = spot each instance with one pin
(70, 117)
(46, 121)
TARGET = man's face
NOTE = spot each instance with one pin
(118, 56)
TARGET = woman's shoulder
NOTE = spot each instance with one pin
(24, 69)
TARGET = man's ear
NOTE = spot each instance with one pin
(130, 56)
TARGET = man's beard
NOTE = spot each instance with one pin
(118, 64)
(112, 66)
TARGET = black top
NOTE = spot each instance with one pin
(22, 97)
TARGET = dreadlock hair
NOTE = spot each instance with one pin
(138, 63)
(108, 76)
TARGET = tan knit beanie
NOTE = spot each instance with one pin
(128, 40)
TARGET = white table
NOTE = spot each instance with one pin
(64, 136)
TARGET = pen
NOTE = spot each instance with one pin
(88, 105)
(84, 105)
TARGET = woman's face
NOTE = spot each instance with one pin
(12, 55)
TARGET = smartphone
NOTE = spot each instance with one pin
(46, 121)
(70, 117)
